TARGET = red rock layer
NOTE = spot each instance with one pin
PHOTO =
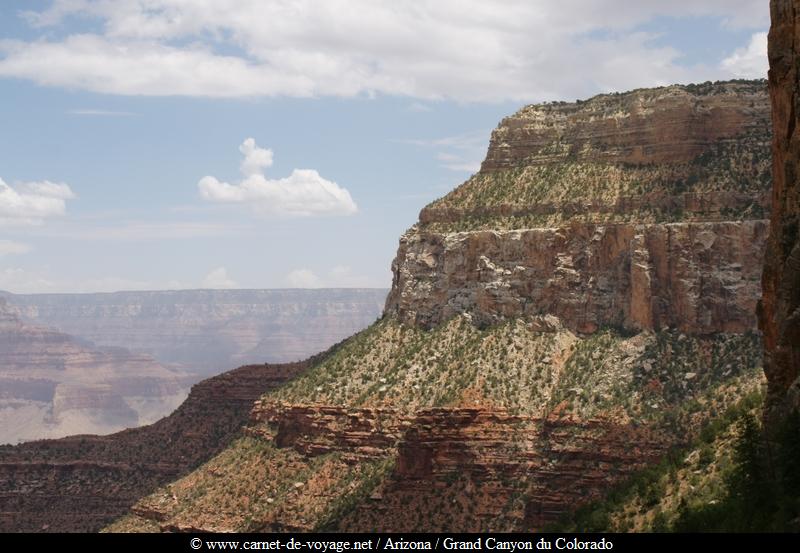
(780, 314)
(82, 483)
(518, 471)
(668, 125)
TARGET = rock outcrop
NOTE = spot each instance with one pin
(81, 483)
(780, 314)
(465, 468)
(699, 277)
(641, 210)
(206, 332)
(451, 461)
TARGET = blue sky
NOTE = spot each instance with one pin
(123, 125)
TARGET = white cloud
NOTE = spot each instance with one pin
(462, 153)
(32, 202)
(20, 281)
(255, 159)
(8, 247)
(749, 62)
(100, 113)
(459, 49)
(419, 107)
(340, 276)
(304, 192)
(218, 278)
(303, 278)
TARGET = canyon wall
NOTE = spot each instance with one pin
(208, 331)
(81, 483)
(698, 277)
(780, 313)
(642, 210)
(557, 322)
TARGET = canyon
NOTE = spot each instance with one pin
(99, 363)
(53, 384)
(205, 332)
(81, 483)
(563, 318)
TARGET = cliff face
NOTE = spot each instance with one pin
(700, 277)
(466, 468)
(53, 384)
(208, 331)
(81, 483)
(780, 315)
(641, 210)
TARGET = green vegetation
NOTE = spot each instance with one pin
(557, 185)
(762, 488)
(730, 479)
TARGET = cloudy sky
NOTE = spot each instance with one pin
(161, 144)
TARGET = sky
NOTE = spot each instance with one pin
(171, 144)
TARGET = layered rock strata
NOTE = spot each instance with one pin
(700, 277)
(53, 384)
(472, 467)
(642, 210)
(81, 483)
(780, 315)
(490, 397)
(208, 331)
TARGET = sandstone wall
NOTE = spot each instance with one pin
(780, 315)
(698, 277)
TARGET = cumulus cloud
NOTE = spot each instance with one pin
(750, 61)
(218, 278)
(20, 281)
(302, 193)
(8, 247)
(458, 49)
(32, 202)
(303, 278)
(340, 276)
(462, 153)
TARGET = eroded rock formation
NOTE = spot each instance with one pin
(642, 210)
(780, 315)
(699, 277)
(490, 397)
(81, 483)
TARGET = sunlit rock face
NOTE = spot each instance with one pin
(642, 210)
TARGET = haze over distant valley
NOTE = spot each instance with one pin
(97, 363)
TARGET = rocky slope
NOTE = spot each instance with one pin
(780, 315)
(53, 384)
(558, 321)
(81, 483)
(208, 331)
